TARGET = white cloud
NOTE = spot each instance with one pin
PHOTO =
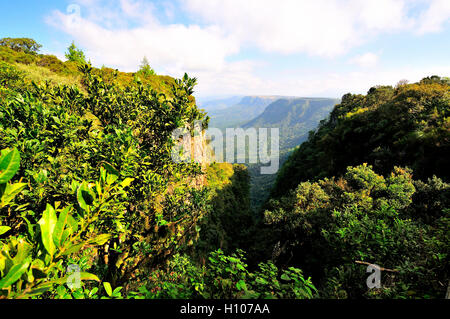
(335, 84)
(119, 33)
(366, 60)
(174, 47)
(434, 18)
(320, 27)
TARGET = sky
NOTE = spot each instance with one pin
(314, 48)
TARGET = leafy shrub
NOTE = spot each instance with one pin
(21, 44)
(103, 158)
(225, 277)
(74, 54)
(327, 226)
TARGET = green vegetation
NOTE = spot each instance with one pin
(92, 205)
(100, 160)
(226, 277)
(145, 69)
(74, 54)
(87, 182)
(231, 218)
(408, 125)
(41, 68)
(21, 44)
(331, 214)
(326, 227)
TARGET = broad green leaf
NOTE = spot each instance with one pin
(84, 196)
(108, 288)
(241, 285)
(73, 249)
(285, 277)
(73, 224)
(66, 233)
(60, 226)
(9, 165)
(10, 192)
(4, 229)
(23, 251)
(38, 264)
(110, 178)
(110, 169)
(126, 182)
(88, 276)
(14, 274)
(47, 224)
(102, 174)
(63, 280)
(100, 239)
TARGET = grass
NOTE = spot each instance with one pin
(39, 74)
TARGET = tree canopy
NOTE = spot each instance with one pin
(21, 44)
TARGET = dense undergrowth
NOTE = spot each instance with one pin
(89, 192)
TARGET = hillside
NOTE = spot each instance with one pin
(236, 114)
(88, 184)
(294, 117)
(407, 125)
(48, 68)
(368, 187)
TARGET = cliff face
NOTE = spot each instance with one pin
(194, 147)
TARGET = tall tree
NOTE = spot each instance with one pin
(74, 54)
(145, 68)
(21, 44)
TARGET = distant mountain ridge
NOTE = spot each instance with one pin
(218, 104)
(295, 117)
(238, 111)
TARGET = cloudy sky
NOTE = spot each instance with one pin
(241, 47)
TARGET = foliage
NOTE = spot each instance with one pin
(145, 68)
(78, 155)
(75, 55)
(229, 219)
(326, 226)
(87, 182)
(34, 261)
(11, 80)
(408, 125)
(41, 68)
(227, 277)
(21, 44)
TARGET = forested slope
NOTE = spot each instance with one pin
(407, 125)
(369, 187)
(88, 185)
(294, 117)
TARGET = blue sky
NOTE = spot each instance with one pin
(263, 47)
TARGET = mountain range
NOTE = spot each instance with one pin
(236, 111)
(294, 116)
